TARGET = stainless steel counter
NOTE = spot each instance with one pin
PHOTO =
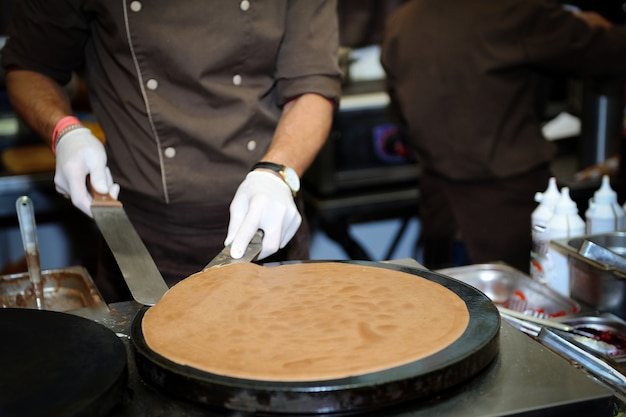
(525, 379)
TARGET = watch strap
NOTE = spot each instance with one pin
(278, 168)
(268, 165)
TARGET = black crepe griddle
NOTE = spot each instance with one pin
(58, 365)
(463, 359)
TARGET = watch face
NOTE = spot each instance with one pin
(292, 180)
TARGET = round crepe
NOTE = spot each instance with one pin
(302, 322)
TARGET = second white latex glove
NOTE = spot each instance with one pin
(262, 201)
(78, 154)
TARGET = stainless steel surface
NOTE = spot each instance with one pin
(252, 251)
(28, 230)
(410, 262)
(141, 274)
(64, 289)
(596, 284)
(510, 288)
(526, 379)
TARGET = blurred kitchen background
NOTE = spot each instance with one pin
(362, 195)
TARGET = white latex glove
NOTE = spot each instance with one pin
(262, 201)
(78, 154)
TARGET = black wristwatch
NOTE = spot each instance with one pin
(289, 176)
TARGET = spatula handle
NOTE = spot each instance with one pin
(101, 200)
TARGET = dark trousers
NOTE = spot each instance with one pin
(490, 218)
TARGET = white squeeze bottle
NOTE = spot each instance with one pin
(547, 201)
(565, 223)
(604, 214)
(538, 224)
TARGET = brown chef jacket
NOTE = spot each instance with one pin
(188, 93)
(460, 71)
(462, 75)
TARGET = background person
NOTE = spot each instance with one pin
(460, 74)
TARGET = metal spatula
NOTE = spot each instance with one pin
(252, 251)
(144, 280)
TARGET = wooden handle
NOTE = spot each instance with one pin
(101, 200)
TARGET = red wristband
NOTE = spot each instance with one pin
(61, 127)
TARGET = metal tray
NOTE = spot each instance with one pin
(604, 355)
(604, 370)
(610, 330)
(65, 289)
(510, 288)
(600, 286)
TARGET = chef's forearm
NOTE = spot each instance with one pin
(301, 132)
(40, 101)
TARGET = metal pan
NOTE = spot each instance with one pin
(462, 360)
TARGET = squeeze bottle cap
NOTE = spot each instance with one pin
(565, 205)
(551, 195)
(605, 194)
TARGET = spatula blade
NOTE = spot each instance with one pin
(141, 274)
(252, 251)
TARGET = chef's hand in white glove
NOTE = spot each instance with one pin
(262, 201)
(78, 154)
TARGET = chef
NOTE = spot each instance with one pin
(211, 110)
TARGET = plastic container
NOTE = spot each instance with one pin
(565, 223)
(539, 221)
(604, 214)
